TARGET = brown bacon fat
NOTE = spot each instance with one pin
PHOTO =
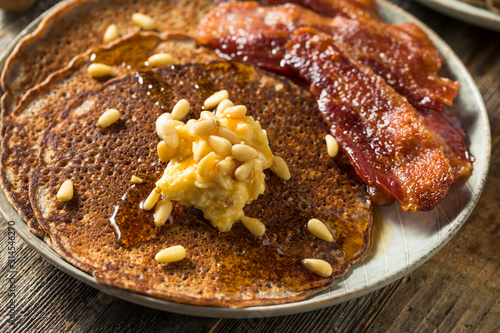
(402, 54)
(383, 136)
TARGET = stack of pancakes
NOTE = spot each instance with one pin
(50, 108)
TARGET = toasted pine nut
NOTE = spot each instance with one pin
(222, 106)
(180, 110)
(237, 111)
(331, 145)
(152, 199)
(257, 188)
(171, 254)
(255, 227)
(220, 145)
(202, 128)
(66, 190)
(228, 134)
(163, 210)
(319, 229)
(144, 21)
(243, 171)
(165, 128)
(161, 60)
(208, 115)
(280, 168)
(108, 118)
(111, 33)
(206, 165)
(165, 153)
(136, 180)
(318, 266)
(99, 70)
(226, 167)
(215, 99)
(244, 153)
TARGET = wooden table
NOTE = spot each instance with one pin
(457, 290)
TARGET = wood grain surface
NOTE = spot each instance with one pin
(457, 290)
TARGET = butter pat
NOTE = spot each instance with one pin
(218, 165)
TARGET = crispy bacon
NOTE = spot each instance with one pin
(449, 135)
(382, 134)
(353, 9)
(402, 54)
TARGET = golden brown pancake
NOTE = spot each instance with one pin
(47, 101)
(232, 269)
(78, 25)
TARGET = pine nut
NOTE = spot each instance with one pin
(152, 199)
(318, 266)
(220, 145)
(331, 145)
(165, 128)
(99, 70)
(144, 21)
(202, 128)
(243, 171)
(201, 149)
(215, 99)
(226, 167)
(165, 153)
(180, 110)
(108, 118)
(136, 180)
(257, 188)
(161, 60)
(280, 168)
(206, 165)
(66, 190)
(171, 254)
(319, 229)
(209, 116)
(237, 111)
(222, 106)
(163, 210)
(111, 33)
(255, 227)
(228, 134)
(244, 153)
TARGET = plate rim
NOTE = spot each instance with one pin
(269, 310)
(466, 12)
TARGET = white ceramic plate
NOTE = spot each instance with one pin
(403, 241)
(466, 12)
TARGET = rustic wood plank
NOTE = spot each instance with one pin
(110, 314)
(352, 316)
(42, 295)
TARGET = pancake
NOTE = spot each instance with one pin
(232, 269)
(75, 26)
(47, 101)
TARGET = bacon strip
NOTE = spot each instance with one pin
(381, 133)
(402, 54)
(353, 9)
(449, 135)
